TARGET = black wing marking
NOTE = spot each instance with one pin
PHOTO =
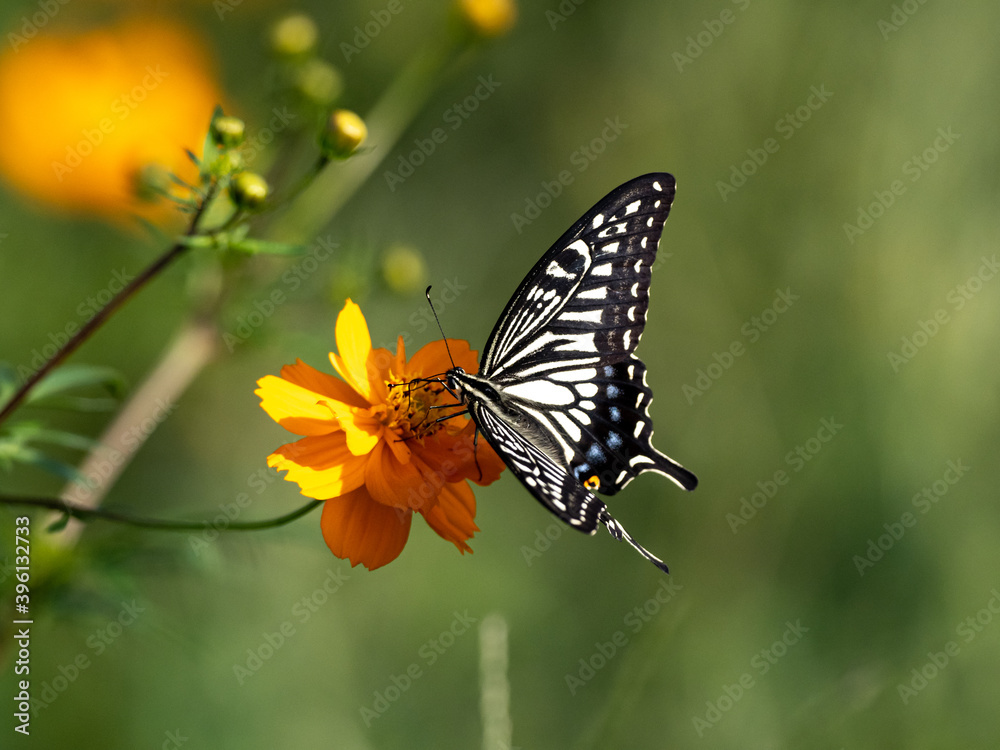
(549, 482)
(606, 433)
(587, 296)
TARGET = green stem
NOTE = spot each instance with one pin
(89, 514)
(90, 327)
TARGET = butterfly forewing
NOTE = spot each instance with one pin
(588, 295)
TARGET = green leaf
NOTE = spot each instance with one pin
(32, 457)
(208, 149)
(69, 377)
(81, 403)
(8, 382)
(254, 246)
(238, 233)
(199, 240)
(65, 439)
(59, 524)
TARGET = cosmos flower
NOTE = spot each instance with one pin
(86, 113)
(373, 447)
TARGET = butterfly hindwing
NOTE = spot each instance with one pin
(549, 482)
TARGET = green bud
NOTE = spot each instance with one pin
(344, 133)
(319, 82)
(294, 35)
(248, 191)
(404, 269)
(227, 132)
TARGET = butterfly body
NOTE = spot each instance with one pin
(560, 395)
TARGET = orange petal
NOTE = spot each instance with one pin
(451, 454)
(453, 517)
(322, 466)
(397, 484)
(354, 344)
(362, 428)
(309, 377)
(432, 359)
(295, 408)
(358, 529)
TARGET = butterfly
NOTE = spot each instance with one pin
(560, 395)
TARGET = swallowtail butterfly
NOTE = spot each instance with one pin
(560, 395)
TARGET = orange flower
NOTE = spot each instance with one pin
(83, 114)
(376, 453)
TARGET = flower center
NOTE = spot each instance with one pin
(409, 409)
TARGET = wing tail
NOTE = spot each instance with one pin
(619, 533)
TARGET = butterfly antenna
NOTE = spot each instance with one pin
(427, 294)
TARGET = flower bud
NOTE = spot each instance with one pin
(294, 35)
(488, 18)
(404, 269)
(227, 132)
(248, 191)
(344, 133)
(319, 82)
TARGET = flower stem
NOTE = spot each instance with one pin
(102, 315)
(89, 514)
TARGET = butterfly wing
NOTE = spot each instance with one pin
(548, 481)
(562, 350)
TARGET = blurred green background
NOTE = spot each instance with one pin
(699, 97)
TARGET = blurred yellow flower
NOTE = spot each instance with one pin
(489, 17)
(83, 114)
